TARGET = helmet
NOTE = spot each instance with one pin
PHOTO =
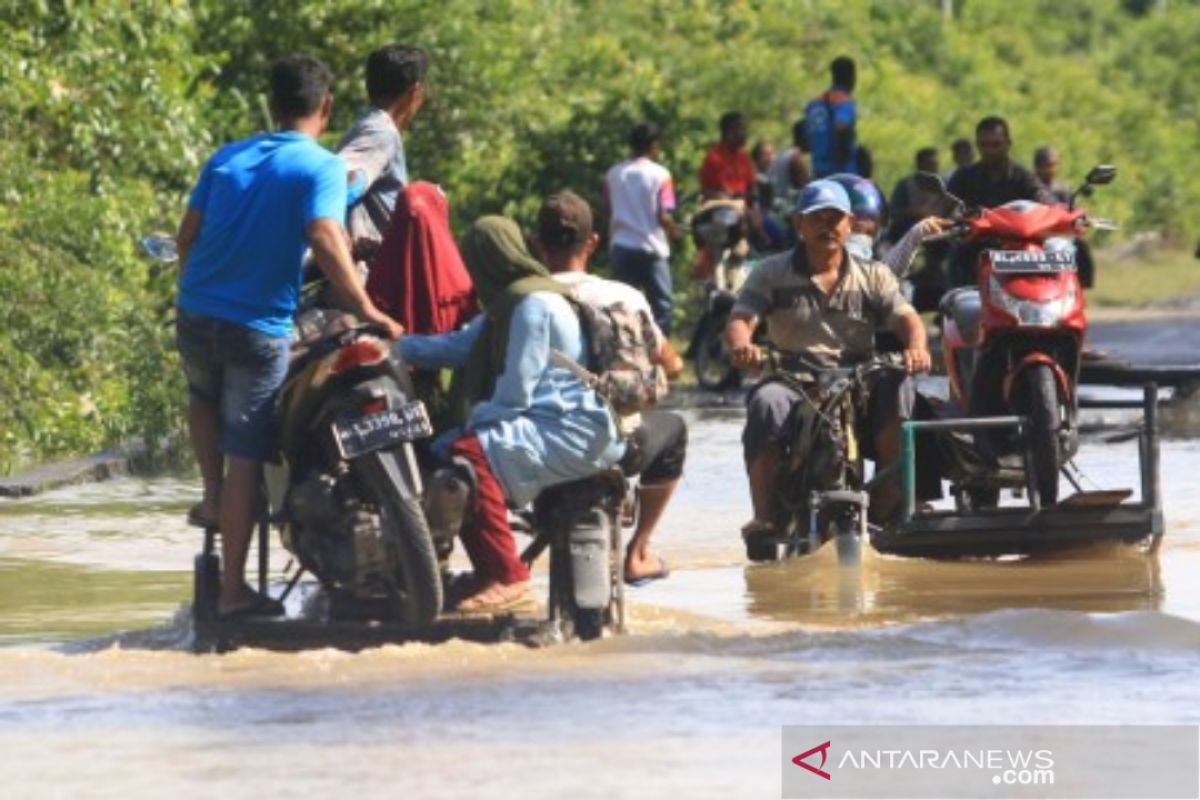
(866, 201)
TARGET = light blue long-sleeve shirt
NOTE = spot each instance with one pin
(541, 426)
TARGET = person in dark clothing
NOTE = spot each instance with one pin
(910, 203)
(995, 179)
(992, 181)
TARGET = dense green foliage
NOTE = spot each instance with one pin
(107, 108)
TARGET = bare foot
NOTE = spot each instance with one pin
(644, 565)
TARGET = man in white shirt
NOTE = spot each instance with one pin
(640, 197)
(655, 451)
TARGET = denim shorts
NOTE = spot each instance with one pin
(239, 370)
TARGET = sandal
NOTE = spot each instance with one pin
(475, 604)
(642, 580)
(259, 606)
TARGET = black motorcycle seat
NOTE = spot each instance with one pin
(608, 482)
(964, 306)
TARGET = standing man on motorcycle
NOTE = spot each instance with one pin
(257, 205)
(822, 304)
(373, 148)
(657, 449)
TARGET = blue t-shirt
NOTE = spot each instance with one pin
(258, 197)
(822, 118)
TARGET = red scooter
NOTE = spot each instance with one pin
(1012, 343)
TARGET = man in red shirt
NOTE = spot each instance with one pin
(727, 170)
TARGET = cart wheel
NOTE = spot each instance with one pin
(981, 497)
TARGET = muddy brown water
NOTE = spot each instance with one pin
(99, 696)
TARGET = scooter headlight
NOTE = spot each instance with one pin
(1038, 313)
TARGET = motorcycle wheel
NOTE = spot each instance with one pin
(844, 529)
(416, 583)
(1039, 399)
(711, 359)
(588, 623)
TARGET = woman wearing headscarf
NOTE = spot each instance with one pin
(530, 424)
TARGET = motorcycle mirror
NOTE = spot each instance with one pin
(1101, 175)
(160, 247)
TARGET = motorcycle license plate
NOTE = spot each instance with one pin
(1031, 262)
(358, 436)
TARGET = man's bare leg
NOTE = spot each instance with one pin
(886, 497)
(762, 472)
(239, 501)
(204, 428)
(653, 502)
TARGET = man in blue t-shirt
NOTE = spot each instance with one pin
(830, 121)
(257, 205)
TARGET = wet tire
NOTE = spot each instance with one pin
(849, 543)
(588, 623)
(710, 360)
(206, 587)
(1039, 400)
(416, 584)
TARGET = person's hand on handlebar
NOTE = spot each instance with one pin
(746, 356)
(394, 329)
(917, 360)
(931, 226)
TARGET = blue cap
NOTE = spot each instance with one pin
(823, 194)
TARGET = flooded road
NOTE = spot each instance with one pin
(721, 655)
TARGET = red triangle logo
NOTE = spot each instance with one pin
(824, 750)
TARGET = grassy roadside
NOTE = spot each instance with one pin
(1161, 279)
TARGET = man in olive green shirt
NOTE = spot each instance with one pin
(824, 305)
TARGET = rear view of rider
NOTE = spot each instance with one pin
(256, 206)
(822, 303)
(657, 449)
(528, 424)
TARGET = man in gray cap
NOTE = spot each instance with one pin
(823, 306)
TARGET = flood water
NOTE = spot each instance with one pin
(100, 697)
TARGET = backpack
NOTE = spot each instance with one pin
(621, 356)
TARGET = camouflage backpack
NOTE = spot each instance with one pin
(621, 353)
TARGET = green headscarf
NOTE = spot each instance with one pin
(504, 274)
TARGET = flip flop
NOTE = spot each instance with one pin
(643, 580)
(260, 606)
(195, 517)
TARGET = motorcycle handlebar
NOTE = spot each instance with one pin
(953, 232)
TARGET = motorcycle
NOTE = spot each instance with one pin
(349, 500)
(821, 487)
(719, 230)
(1012, 344)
